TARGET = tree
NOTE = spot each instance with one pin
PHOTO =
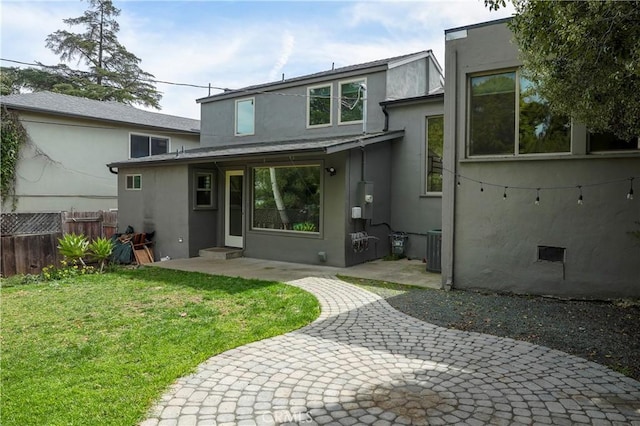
(584, 58)
(113, 72)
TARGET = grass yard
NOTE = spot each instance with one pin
(99, 349)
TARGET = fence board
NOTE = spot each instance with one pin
(29, 253)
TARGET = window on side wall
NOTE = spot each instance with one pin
(608, 142)
(287, 198)
(134, 182)
(245, 117)
(319, 106)
(352, 101)
(144, 145)
(434, 145)
(203, 190)
(507, 116)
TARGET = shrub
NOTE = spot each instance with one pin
(66, 270)
(73, 247)
(101, 249)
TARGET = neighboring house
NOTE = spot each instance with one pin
(533, 203)
(314, 169)
(71, 139)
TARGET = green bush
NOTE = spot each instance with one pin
(66, 270)
(305, 227)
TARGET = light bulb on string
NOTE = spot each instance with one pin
(481, 187)
(537, 196)
(580, 196)
(504, 194)
(458, 183)
(630, 193)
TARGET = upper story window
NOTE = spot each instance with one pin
(245, 117)
(352, 94)
(508, 117)
(319, 106)
(144, 145)
(608, 142)
(435, 139)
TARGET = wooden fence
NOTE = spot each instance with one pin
(30, 240)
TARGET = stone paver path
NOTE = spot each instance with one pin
(363, 362)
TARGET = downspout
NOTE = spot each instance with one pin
(386, 118)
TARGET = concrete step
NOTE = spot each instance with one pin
(220, 253)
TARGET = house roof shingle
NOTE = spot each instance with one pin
(320, 145)
(115, 112)
(328, 73)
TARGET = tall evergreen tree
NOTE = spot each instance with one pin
(113, 73)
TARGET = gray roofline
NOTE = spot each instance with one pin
(379, 65)
(227, 152)
(479, 25)
(416, 99)
(9, 105)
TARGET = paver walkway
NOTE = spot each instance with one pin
(363, 362)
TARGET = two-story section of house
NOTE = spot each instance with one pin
(61, 166)
(533, 202)
(314, 169)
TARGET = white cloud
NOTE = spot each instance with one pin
(288, 42)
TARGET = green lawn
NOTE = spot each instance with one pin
(99, 349)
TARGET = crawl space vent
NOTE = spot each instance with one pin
(551, 254)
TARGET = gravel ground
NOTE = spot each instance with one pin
(604, 332)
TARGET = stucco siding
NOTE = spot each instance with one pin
(63, 164)
(283, 115)
(161, 205)
(412, 210)
(493, 243)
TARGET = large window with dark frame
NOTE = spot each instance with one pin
(286, 198)
(319, 106)
(145, 145)
(507, 116)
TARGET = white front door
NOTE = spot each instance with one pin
(234, 208)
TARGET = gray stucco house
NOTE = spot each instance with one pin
(70, 139)
(313, 169)
(532, 203)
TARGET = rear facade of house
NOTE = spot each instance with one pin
(533, 203)
(319, 169)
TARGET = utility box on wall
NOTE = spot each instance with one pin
(364, 199)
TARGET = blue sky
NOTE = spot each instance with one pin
(241, 43)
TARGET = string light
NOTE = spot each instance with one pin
(504, 194)
(481, 187)
(537, 196)
(630, 193)
(580, 196)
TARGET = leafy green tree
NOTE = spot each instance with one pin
(113, 72)
(584, 57)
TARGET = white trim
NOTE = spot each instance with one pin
(133, 188)
(330, 123)
(233, 240)
(150, 136)
(353, 80)
(410, 59)
(253, 103)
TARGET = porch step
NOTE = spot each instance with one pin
(220, 253)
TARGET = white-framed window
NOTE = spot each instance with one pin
(134, 182)
(507, 116)
(608, 142)
(287, 198)
(352, 94)
(203, 188)
(434, 149)
(146, 145)
(245, 117)
(319, 105)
